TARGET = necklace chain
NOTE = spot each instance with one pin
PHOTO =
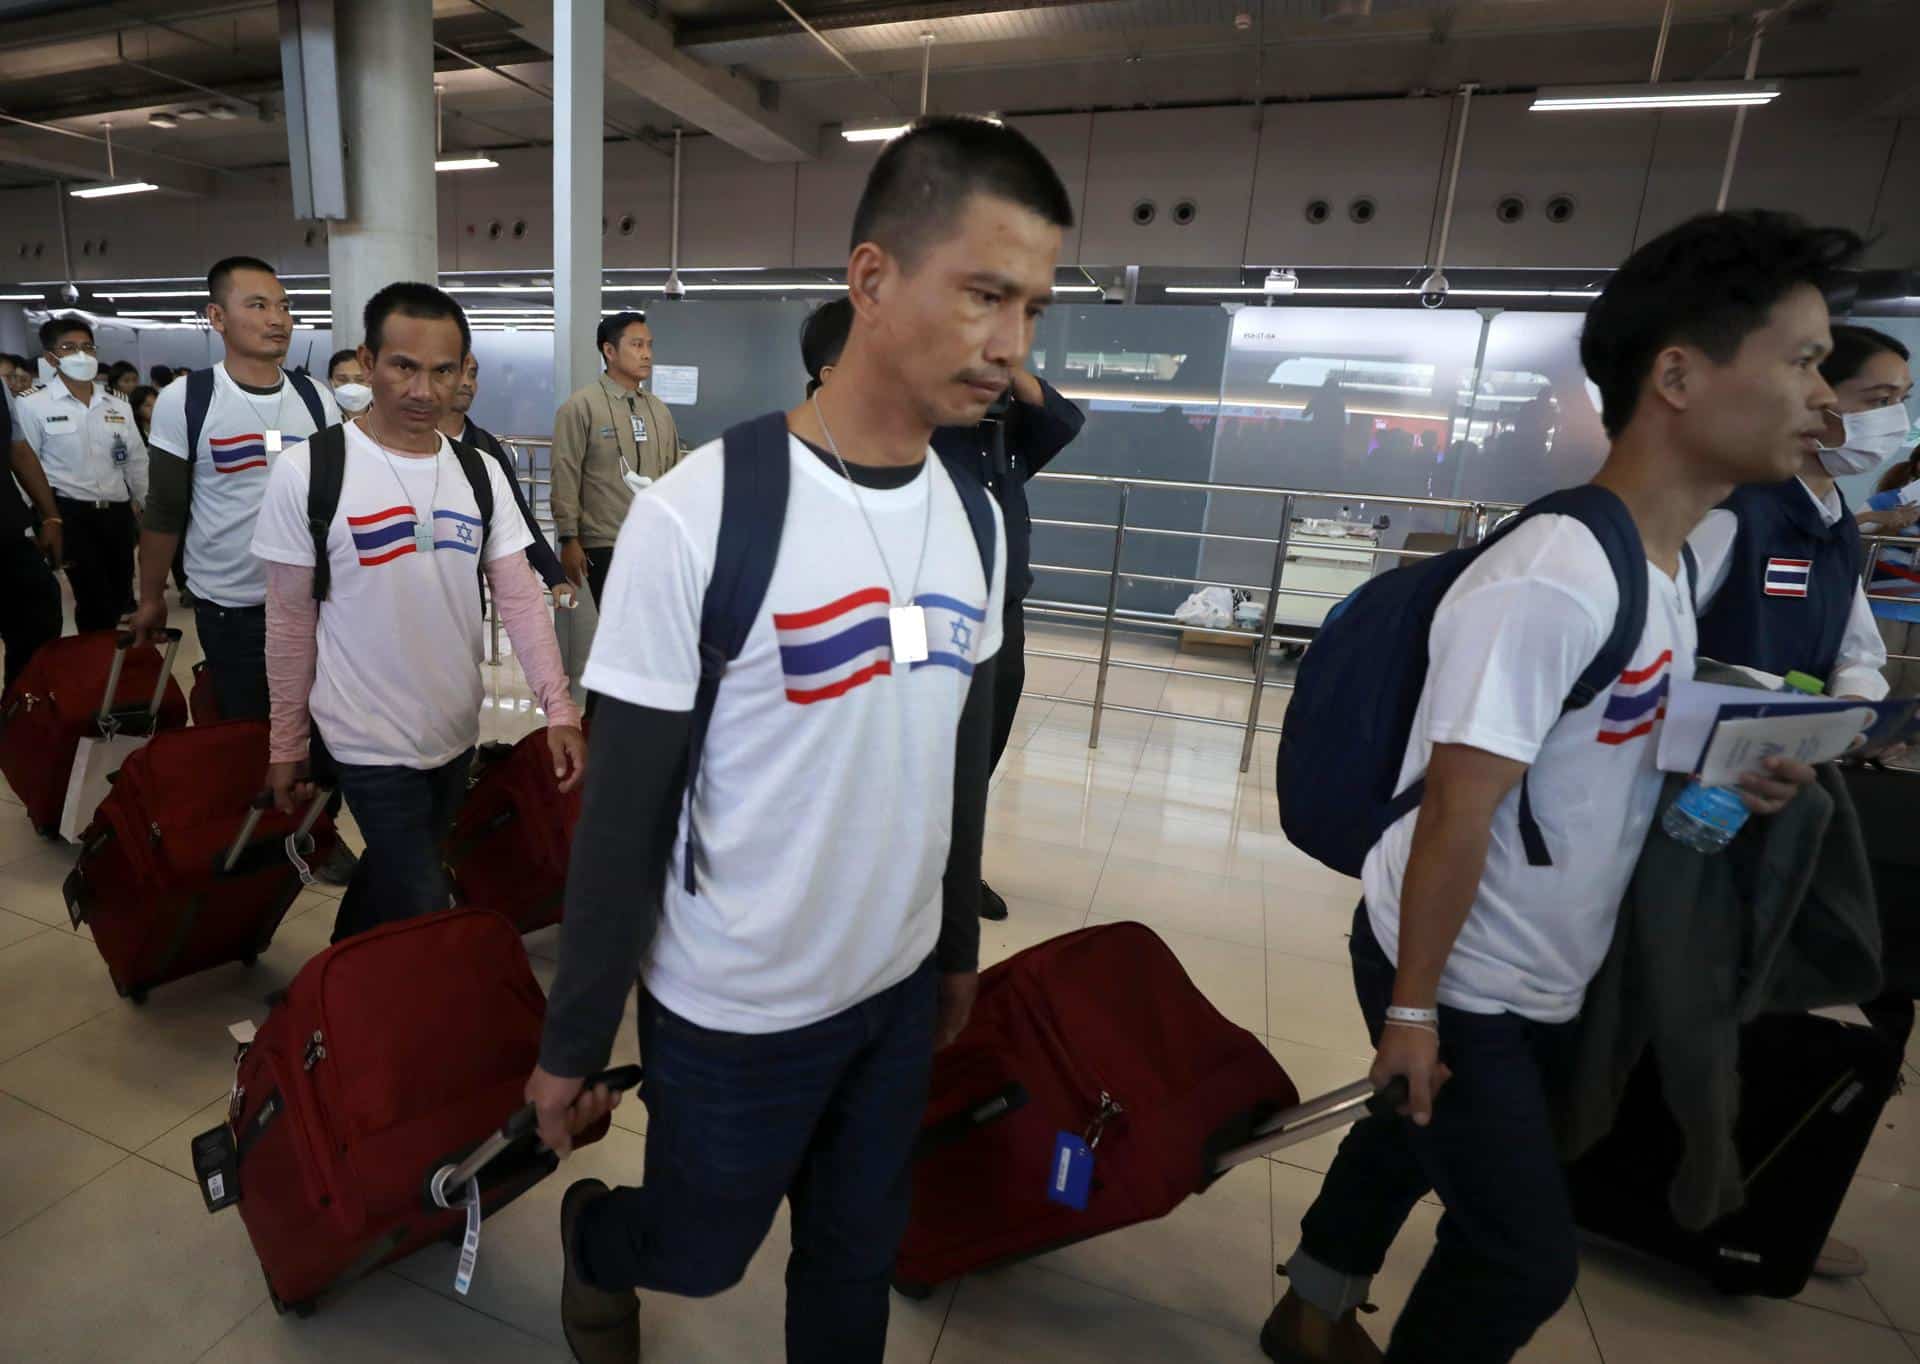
(386, 457)
(926, 528)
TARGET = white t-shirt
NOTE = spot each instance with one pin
(230, 471)
(825, 798)
(398, 683)
(1509, 641)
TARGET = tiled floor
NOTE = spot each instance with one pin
(107, 1254)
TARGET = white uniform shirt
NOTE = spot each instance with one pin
(91, 451)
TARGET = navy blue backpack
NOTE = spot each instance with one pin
(1345, 734)
(753, 514)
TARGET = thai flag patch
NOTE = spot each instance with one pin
(830, 650)
(232, 454)
(1637, 702)
(1787, 577)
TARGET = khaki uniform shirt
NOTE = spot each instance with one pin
(601, 432)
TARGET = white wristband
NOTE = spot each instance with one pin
(1397, 1014)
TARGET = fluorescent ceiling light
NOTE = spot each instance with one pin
(22, 298)
(460, 163)
(112, 190)
(152, 293)
(1670, 95)
(881, 134)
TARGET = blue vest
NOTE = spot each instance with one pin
(1790, 585)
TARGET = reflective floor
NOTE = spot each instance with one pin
(107, 1253)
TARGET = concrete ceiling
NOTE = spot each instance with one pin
(746, 72)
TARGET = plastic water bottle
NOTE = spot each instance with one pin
(1706, 818)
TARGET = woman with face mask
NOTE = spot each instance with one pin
(1780, 564)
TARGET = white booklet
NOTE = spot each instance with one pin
(1719, 731)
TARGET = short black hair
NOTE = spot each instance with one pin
(162, 375)
(1853, 346)
(333, 362)
(119, 367)
(823, 336)
(1710, 282)
(56, 327)
(140, 395)
(411, 299)
(923, 178)
(222, 273)
(611, 329)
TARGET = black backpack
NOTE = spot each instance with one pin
(327, 450)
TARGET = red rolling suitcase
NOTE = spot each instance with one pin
(390, 1057)
(511, 840)
(58, 700)
(184, 866)
(1096, 1035)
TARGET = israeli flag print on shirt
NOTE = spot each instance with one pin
(383, 536)
(832, 649)
(1637, 702)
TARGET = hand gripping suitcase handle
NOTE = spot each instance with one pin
(122, 642)
(446, 1183)
(261, 804)
(1327, 1113)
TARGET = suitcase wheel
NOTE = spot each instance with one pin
(913, 1291)
(302, 1309)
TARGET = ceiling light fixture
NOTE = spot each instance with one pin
(884, 133)
(160, 118)
(113, 190)
(463, 163)
(1670, 95)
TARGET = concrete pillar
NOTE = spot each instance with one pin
(386, 114)
(579, 188)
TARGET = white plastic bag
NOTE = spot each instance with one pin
(1209, 608)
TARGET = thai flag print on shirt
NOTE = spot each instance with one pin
(1787, 577)
(383, 536)
(235, 454)
(1637, 702)
(832, 649)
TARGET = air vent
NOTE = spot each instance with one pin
(626, 224)
(1145, 212)
(519, 228)
(1318, 211)
(1560, 208)
(493, 230)
(1362, 210)
(1511, 209)
(1185, 212)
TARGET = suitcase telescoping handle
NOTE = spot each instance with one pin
(447, 1182)
(1324, 1114)
(261, 804)
(121, 644)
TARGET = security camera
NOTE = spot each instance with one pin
(674, 288)
(1433, 290)
(70, 292)
(1280, 283)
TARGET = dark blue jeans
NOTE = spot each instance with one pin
(404, 814)
(235, 641)
(824, 1116)
(1505, 1259)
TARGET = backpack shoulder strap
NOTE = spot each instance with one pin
(309, 395)
(973, 496)
(326, 474)
(753, 514)
(474, 465)
(199, 402)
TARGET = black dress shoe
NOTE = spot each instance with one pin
(992, 905)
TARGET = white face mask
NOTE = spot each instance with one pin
(1872, 438)
(80, 367)
(353, 397)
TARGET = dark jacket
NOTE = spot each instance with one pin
(1008, 451)
(1783, 921)
(540, 553)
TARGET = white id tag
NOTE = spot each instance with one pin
(908, 625)
(469, 1244)
(273, 442)
(423, 539)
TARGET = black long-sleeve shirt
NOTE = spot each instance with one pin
(636, 774)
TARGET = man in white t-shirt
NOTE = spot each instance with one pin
(381, 656)
(1470, 958)
(250, 414)
(791, 1002)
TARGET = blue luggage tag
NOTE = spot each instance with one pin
(1070, 1175)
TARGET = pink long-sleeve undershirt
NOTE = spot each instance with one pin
(293, 647)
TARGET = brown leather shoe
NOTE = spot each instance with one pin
(601, 1327)
(1297, 1333)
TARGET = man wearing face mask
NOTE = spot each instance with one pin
(1780, 564)
(610, 439)
(349, 382)
(97, 465)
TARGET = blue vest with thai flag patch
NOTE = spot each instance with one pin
(1790, 585)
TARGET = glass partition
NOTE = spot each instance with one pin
(1533, 423)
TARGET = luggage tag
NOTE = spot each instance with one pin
(1070, 1174)
(908, 627)
(273, 441)
(470, 1246)
(216, 1166)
